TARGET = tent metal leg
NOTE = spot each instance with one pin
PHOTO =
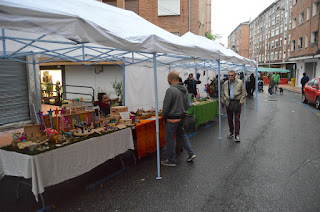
(38, 107)
(245, 102)
(124, 85)
(157, 113)
(219, 95)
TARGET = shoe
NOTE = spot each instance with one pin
(237, 138)
(230, 136)
(168, 163)
(190, 158)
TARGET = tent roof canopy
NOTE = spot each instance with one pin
(271, 70)
(93, 22)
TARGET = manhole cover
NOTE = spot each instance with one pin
(272, 100)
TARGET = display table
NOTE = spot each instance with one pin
(204, 112)
(58, 165)
(146, 136)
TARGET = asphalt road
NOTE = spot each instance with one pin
(275, 167)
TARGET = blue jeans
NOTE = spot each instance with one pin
(178, 130)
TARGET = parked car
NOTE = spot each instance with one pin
(312, 92)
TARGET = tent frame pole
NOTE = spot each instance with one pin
(157, 114)
(219, 95)
(245, 87)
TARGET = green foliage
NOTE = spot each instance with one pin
(212, 36)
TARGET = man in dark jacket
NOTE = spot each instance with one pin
(192, 84)
(304, 81)
(174, 112)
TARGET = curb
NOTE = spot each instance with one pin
(291, 90)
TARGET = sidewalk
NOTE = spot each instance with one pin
(291, 88)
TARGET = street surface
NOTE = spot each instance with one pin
(275, 167)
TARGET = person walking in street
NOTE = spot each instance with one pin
(271, 84)
(191, 84)
(233, 96)
(276, 79)
(304, 81)
(174, 112)
(252, 84)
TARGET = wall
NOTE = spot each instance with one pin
(86, 76)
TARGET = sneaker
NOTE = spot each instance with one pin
(230, 136)
(168, 163)
(237, 138)
(190, 158)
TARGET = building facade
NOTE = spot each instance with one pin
(238, 40)
(285, 35)
(172, 15)
(304, 43)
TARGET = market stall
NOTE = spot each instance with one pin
(264, 72)
(60, 164)
(203, 112)
(88, 32)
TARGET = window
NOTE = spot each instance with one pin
(294, 2)
(272, 44)
(308, 13)
(301, 18)
(277, 44)
(310, 83)
(315, 8)
(272, 33)
(273, 21)
(294, 23)
(280, 43)
(314, 38)
(306, 42)
(277, 19)
(281, 29)
(277, 31)
(168, 7)
(316, 83)
(293, 45)
(276, 56)
(300, 40)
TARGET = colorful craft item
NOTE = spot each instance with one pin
(56, 112)
(62, 111)
(50, 116)
(40, 113)
(73, 101)
(50, 132)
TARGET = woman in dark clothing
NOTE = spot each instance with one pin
(103, 103)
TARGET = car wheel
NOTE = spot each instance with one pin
(318, 102)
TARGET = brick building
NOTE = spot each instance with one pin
(238, 40)
(172, 15)
(304, 43)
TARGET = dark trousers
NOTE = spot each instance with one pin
(234, 128)
(178, 130)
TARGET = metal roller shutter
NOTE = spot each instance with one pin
(14, 100)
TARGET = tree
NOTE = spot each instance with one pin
(212, 36)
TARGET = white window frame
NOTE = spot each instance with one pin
(306, 41)
(300, 42)
(315, 8)
(294, 23)
(293, 45)
(308, 14)
(169, 7)
(301, 18)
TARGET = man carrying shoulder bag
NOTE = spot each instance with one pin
(233, 96)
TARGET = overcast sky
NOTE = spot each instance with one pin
(228, 14)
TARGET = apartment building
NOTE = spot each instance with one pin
(175, 16)
(238, 40)
(269, 39)
(304, 45)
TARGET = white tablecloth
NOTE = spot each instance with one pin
(55, 166)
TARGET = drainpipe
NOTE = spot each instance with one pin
(189, 16)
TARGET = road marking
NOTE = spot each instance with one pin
(192, 134)
(316, 112)
(210, 125)
(306, 106)
(300, 103)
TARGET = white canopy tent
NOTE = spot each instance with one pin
(88, 31)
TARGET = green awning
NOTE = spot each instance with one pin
(279, 70)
